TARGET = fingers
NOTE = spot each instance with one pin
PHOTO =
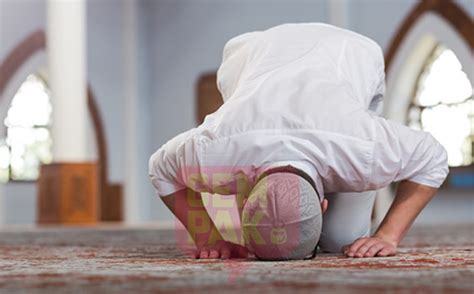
(374, 249)
(369, 247)
(354, 247)
(345, 249)
(365, 247)
(387, 252)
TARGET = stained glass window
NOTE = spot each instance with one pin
(28, 139)
(443, 105)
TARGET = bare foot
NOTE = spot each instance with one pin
(221, 249)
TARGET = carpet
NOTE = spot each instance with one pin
(115, 259)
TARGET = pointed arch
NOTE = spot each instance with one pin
(448, 10)
(19, 55)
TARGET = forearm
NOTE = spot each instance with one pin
(188, 207)
(410, 199)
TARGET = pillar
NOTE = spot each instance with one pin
(68, 189)
(66, 45)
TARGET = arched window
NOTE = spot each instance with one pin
(443, 105)
(27, 144)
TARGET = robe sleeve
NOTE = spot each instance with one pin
(167, 166)
(401, 153)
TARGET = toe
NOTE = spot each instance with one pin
(225, 254)
(204, 254)
(214, 254)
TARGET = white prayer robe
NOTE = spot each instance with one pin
(306, 95)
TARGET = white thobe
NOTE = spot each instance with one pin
(306, 95)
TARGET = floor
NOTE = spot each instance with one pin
(115, 259)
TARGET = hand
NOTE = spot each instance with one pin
(221, 249)
(370, 247)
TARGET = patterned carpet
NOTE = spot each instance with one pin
(145, 260)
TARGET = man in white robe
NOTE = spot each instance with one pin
(306, 96)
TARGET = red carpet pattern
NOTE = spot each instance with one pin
(145, 260)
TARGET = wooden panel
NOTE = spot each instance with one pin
(209, 98)
(48, 205)
(112, 203)
(68, 193)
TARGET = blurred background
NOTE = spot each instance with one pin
(90, 89)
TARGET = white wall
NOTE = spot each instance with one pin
(467, 5)
(13, 25)
(20, 202)
(380, 19)
(105, 75)
(139, 198)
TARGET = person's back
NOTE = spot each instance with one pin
(298, 77)
(302, 90)
(307, 93)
